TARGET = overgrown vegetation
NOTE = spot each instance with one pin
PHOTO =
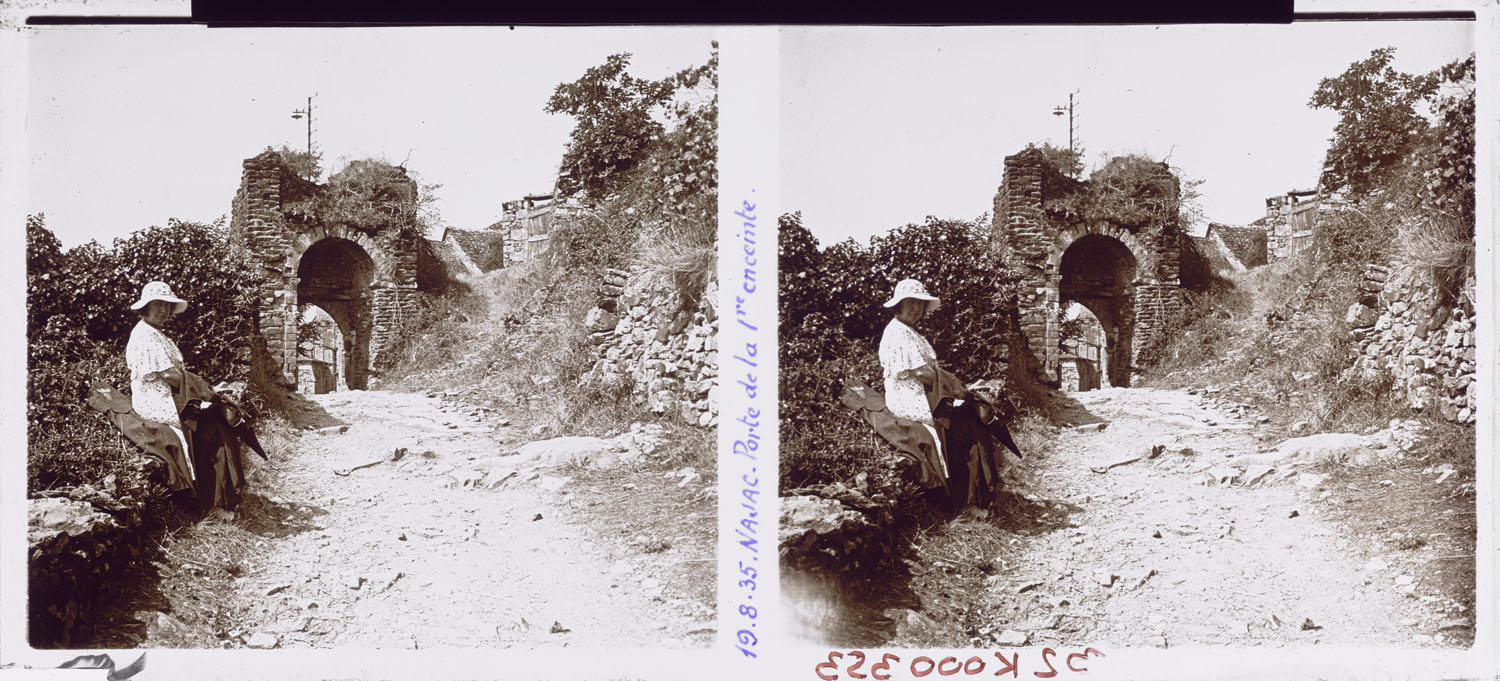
(1132, 191)
(657, 205)
(832, 319)
(1402, 156)
(830, 300)
(642, 165)
(79, 318)
(369, 195)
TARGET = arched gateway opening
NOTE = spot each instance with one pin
(1112, 243)
(1098, 272)
(1082, 361)
(320, 352)
(335, 274)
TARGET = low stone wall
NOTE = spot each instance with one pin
(75, 551)
(667, 350)
(1403, 330)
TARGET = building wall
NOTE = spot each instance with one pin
(527, 225)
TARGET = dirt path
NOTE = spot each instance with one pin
(1156, 552)
(453, 545)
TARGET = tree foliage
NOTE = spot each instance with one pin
(662, 212)
(1403, 152)
(1067, 161)
(613, 111)
(1379, 123)
(304, 164)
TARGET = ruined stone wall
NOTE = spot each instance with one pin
(257, 226)
(1020, 227)
(668, 352)
(1035, 241)
(1278, 228)
(1405, 331)
(273, 219)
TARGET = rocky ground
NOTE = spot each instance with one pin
(403, 520)
(1167, 518)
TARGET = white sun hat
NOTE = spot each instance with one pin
(911, 288)
(158, 290)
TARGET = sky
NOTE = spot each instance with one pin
(130, 126)
(883, 127)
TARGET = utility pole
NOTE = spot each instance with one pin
(299, 113)
(1058, 111)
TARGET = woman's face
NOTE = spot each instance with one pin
(910, 310)
(157, 312)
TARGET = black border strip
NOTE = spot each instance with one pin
(680, 12)
(280, 13)
(1437, 15)
(72, 20)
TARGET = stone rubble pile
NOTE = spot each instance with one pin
(74, 548)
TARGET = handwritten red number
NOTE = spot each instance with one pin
(829, 665)
(970, 669)
(854, 672)
(1047, 653)
(930, 666)
(883, 667)
(948, 672)
(1082, 656)
(1013, 666)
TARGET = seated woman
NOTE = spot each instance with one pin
(910, 369)
(156, 363)
(159, 388)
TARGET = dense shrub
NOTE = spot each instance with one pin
(68, 442)
(79, 319)
(832, 320)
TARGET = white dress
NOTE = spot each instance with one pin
(148, 351)
(902, 350)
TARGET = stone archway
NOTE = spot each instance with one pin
(363, 275)
(1099, 272)
(1126, 274)
(336, 274)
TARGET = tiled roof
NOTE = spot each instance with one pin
(485, 247)
(446, 253)
(1247, 243)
